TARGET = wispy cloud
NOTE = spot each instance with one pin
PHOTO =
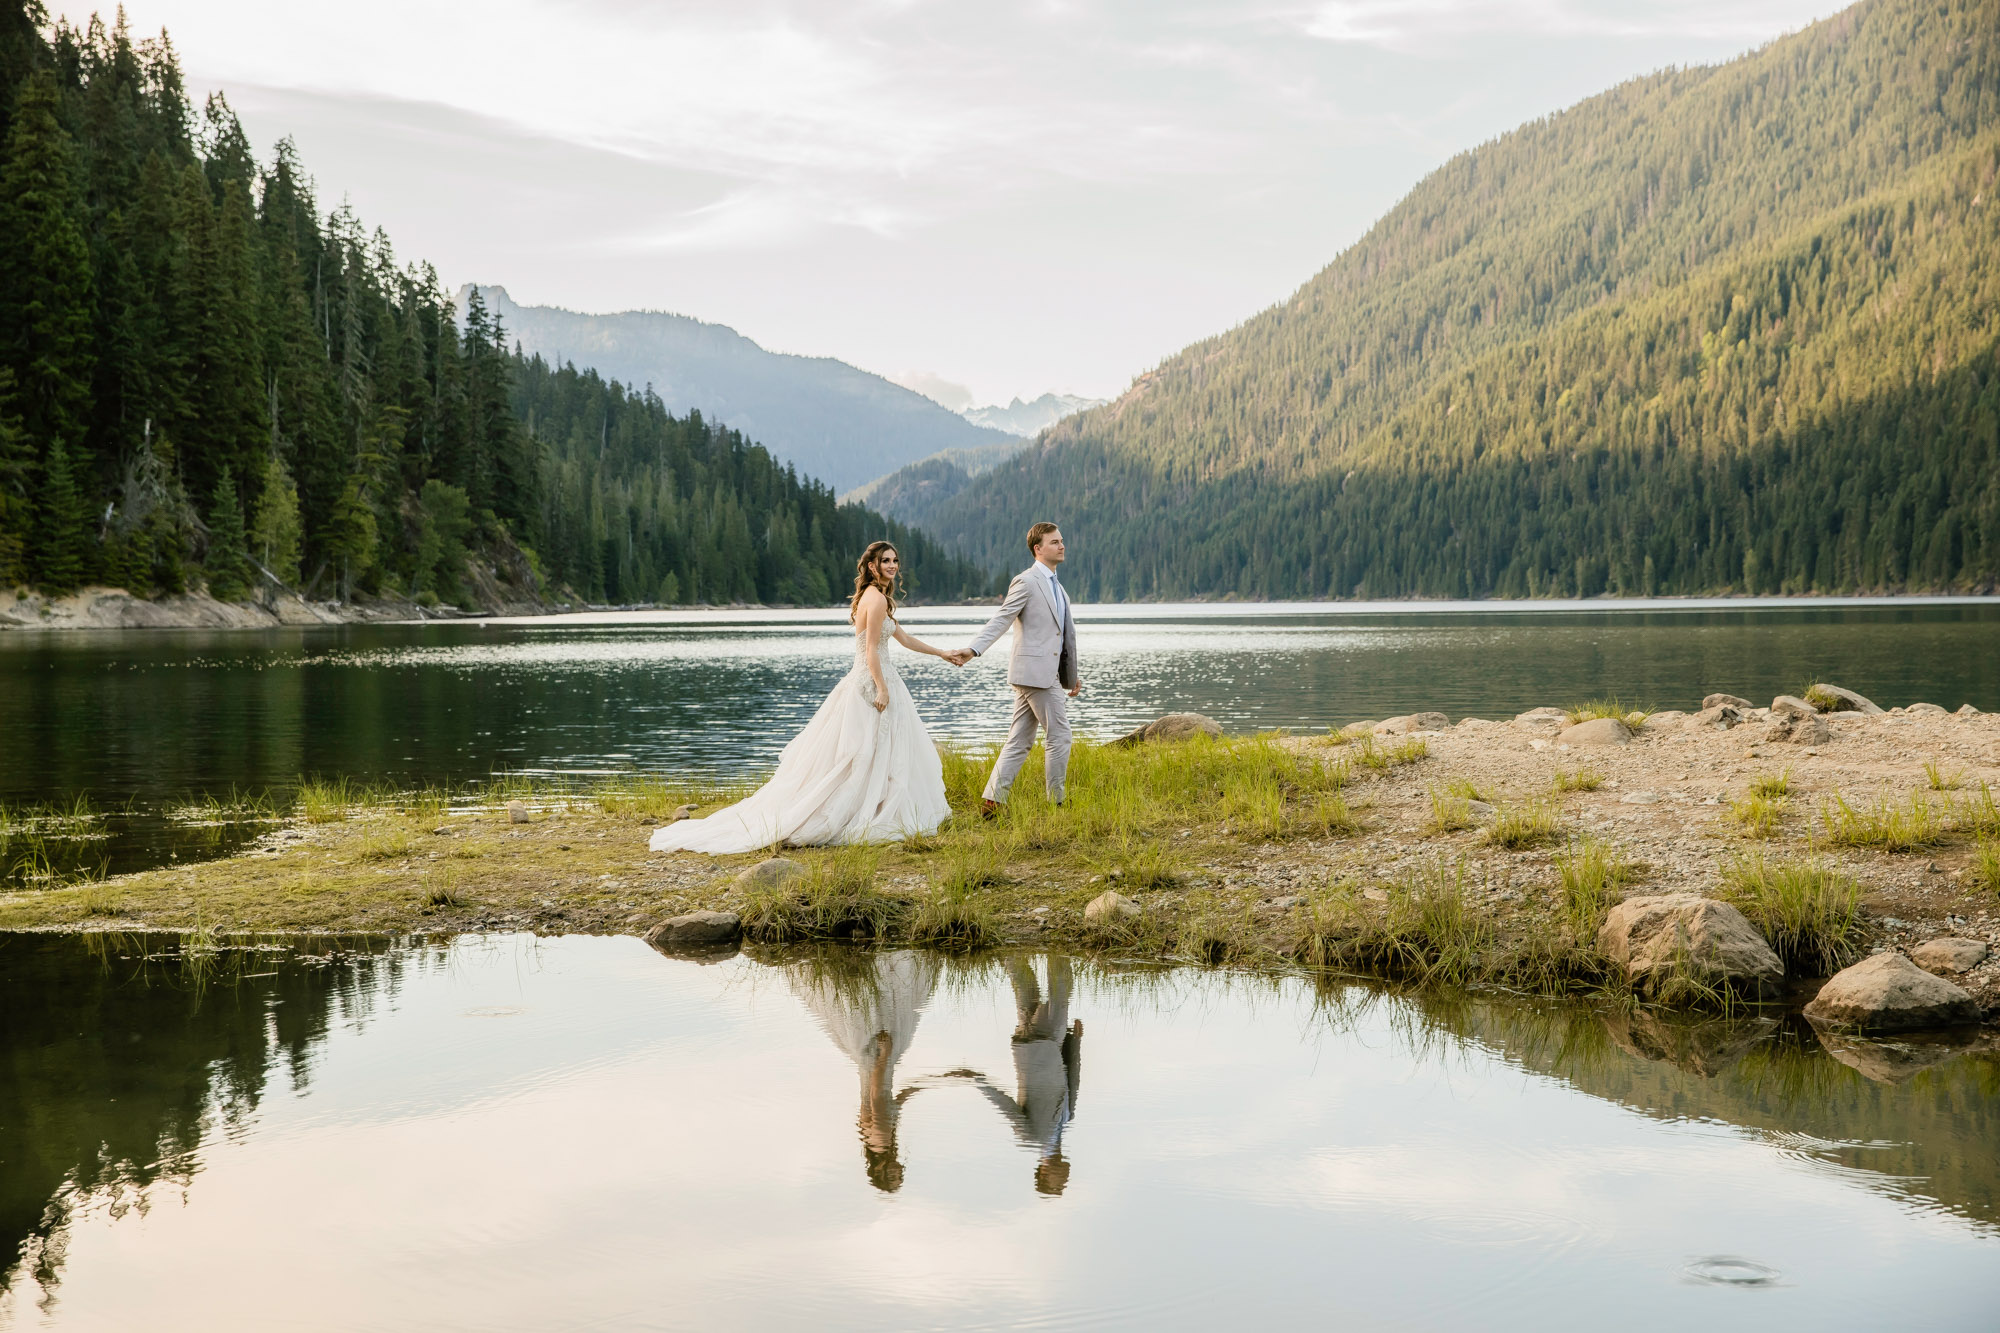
(1413, 25)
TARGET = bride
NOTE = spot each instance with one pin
(863, 770)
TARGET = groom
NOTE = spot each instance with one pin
(1042, 669)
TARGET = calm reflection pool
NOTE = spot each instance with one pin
(138, 720)
(507, 1133)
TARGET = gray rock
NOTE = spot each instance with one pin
(1928, 710)
(1790, 705)
(1967, 710)
(1726, 700)
(696, 930)
(682, 812)
(1657, 937)
(517, 812)
(1848, 701)
(1950, 955)
(1547, 721)
(1110, 908)
(1479, 810)
(1719, 718)
(1597, 731)
(770, 874)
(1791, 729)
(1409, 722)
(1889, 993)
(1665, 719)
(1172, 727)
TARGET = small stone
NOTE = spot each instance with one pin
(1666, 719)
(1109, 908)
(1790, 728)
(696, 930)
(1928, 710)
(1889, 993)
(1479, 809)
(517, 812)
(1172, 727)
(1721, 717)
(1950, 955)
(1546, 720)
(1597, 731)
(1726, 701)
(1967, 710)
(1790, 705)
(682, 812)
(769, 874)
(1639, 798)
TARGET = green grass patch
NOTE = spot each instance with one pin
(1533, 824)
(1583, 779)
(1807, 909)
(1884, 826)
(1593, 709)
(1593, 876)
(1758, 815)
(953, 915)
(1985, 868)
(835, 899)
(1939, 779)
(1773, 786)
(1977, 815)
(1824, 699)
(1450, 812)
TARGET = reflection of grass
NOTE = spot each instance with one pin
(1807, 909)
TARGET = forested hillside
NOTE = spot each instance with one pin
(205, 381)
(1721, 329)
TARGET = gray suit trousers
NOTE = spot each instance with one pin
(1047, 708)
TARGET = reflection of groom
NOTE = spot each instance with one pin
(1042, 670)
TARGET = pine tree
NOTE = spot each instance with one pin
(63, 553)
(351, 537)
(17, 509)
(228, 570)
(46, 308)
(275, 534)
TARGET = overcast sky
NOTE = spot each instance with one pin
(1007, 195)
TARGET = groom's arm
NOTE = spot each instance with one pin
(1010, 611)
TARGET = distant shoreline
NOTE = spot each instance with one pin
(103, 608)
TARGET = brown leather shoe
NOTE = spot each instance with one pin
(988, 809)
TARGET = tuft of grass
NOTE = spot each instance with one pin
(1584, 779)
(1594, 875)
(1759, 815)
(324, 801)
(1939, 779)
(953, 916)
(1977, 815)
(1520, 826)
(1450, 812)
(1612, 708)
(1217, 929)
(1329, 816)
(238, 807)
(1466, 789)
(390, 843)
(1773, 786)
(645, 797)
(1137, 865)
(1425, 931)
(1985, 867)
(1808, 910)
(1883, 826)
(835, 899)
(1370, 753)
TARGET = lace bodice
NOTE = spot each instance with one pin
(861, 648)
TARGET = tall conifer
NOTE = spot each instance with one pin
(63, 555)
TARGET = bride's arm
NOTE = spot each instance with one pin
(873, 607)
(915, 644)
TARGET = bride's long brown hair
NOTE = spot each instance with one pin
(866, 576)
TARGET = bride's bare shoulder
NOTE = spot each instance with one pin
(872, 604)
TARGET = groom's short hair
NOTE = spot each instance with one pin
(1035, 535)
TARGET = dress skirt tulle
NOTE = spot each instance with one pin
(853, 775)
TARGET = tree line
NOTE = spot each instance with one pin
(206, 381)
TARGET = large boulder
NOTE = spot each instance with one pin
(1656, 938)
(1172, 727)
(770, 873)
(1597, 731)
(1950, 955)
(1790, 705)
(1889, 993)
(1789, 728)
(1836, 700)
(697, 931)
(1717, 717)
(1543, 721)
(1409, 722)
(1726, 701)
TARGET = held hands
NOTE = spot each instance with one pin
(958, 657)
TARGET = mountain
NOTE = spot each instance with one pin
(1030, 419)
(835, 423)
(1723, 329)
(922, 486)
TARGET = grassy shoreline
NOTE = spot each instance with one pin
(1306, 852)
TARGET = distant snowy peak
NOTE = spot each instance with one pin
(1029, 419)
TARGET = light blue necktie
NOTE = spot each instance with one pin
(1062, 598)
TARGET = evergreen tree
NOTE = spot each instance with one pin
(275, 532)
(229, 578)
(17, 507)
(46, 310)
(64, 554)
(445, 521)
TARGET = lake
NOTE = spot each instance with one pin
(137, 721)
(518, 1133)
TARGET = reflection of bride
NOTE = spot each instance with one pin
(871, 1013)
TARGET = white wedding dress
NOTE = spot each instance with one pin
(853, 775)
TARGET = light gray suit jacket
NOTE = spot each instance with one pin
(1044, 645)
